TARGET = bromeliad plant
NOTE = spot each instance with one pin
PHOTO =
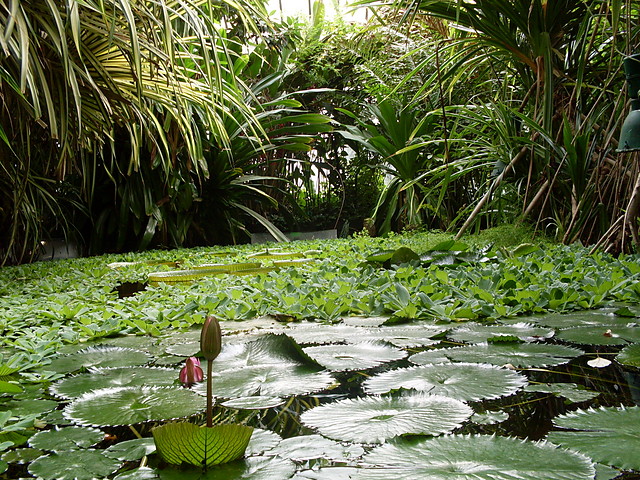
(203, 446)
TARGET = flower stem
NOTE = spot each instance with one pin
(209, 394)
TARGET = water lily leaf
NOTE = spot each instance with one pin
(600, 335)
(183, 442)
(131, 450)
(98, 357)
(570, 391)
(253, 468)
(253, 403)
(329, 473)
(360, 356)
(605, 472)
(401, 336)
(309, 447)
(308, 333)
(29, 406)
(464, 381)
(268, 380)
(576, 319)
(629, 355)
(69, 438)
(74, 465)
(376, 419)
(520, 355)
(608, 435)
(261, 441)
(142, 473)
(130, 405)
(364, 321)
(478, 333)
(22, 456)
(489, 418)
(72, 387)
(475, 457)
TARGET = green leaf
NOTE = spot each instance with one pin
(131, 405)
(253, 468)
(74, 465)
(131, 450)
(600, 335)
(253, 403)
(474, 457)
(519, 355)
(489, 418)
(608, 435)
(377, 419)
(354, 356)
(629, 355)
(98, 357)
(463, 381)
(7, 387)
(309, 447)
(98, 378)
(22, 456)
(524, 249)
(477, 333)
(196, 445)
(66, 439)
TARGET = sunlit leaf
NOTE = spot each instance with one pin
(376, 419)
(629, 355)
(309, 447)
(600, 335)
(360, 356)
(74, 465)
(131, 450)
(474, 457)
(608, 435)
(65, 439)
(98, 357)
(570, 391)
(477, 333)
(464, 381)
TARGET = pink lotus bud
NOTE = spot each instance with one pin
(191, 372)
(210, 338)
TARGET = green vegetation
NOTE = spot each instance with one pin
(400, 340)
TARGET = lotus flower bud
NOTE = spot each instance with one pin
(210, 338)
(191, 372)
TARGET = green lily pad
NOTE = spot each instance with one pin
(629, 355)
(570, 391)
(65, 439)
(183, 442)
(142, 473)
(310, 447)
(74, 465)
(24, 407)
(98, 357)
(75, 386)
(576, 319)
(253, 403)
(262, 441)
(328, 473)
(251, 468)
(364, 321)
(401, 336)
(308, 333)
(22, 456)
(131, 405)
(131, 450)
(600, 335)
(489, 418)
(9, 387)
(463, 381)
(360, 356)
(474, 457)
(377, 419)
(269, 380)
(523, 355)
(608, 435)
(478, 333)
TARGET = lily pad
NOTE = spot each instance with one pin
(489, 418)
(474, 457)
(570, 391)
(402, 336)
(478, 333)
(520, 355)
(253, 468)
(65, 439)
(608, 435)
(576, 319)
(131, 405)
(131, 450)
(360, 356)
(24, 407)
(600, 335)
(253, 403)
(629, 355)
(377, 419)
(74, 465)
(22, 456)
(98, 357)
(75, 386)
(196, 445)
(261, 441)
(310, 447)
(463, 381)
(312, 334)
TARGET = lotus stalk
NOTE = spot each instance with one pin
(210, 346)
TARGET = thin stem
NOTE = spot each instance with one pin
(209, 394)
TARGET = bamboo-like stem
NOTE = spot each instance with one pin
(209, 394)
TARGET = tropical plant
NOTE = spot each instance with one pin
(91, 86)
